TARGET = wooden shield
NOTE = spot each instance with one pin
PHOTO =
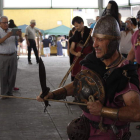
(88, 83)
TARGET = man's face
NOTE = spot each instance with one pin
(100, 46)
(97, 18)
(128, 25)
(4, 24)
(33, 25)
(79, 26)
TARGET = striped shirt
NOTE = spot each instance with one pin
(9, 45)
(31, 32)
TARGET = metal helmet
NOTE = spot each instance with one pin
(107, 27)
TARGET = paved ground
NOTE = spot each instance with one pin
(22, 119)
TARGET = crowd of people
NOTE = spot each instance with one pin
(62, 44)
(115, 46)
(103, 74)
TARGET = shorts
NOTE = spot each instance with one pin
(46, 50)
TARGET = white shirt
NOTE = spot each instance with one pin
(9, 45)
(135, 29)
(125, 42)
(31, 32)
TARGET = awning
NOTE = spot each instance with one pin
(60, 30)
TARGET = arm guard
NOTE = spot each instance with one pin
(59, 93)
(111, 113)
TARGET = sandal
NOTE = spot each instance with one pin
(138, 127)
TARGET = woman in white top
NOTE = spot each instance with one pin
(125, 42)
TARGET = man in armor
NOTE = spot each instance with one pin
(108, 84)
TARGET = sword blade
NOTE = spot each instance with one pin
(42, 75)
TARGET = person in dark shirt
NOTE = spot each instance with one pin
(59, 47)
(46, 46)
(81, 35)
(121, 23)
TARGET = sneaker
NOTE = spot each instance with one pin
(30, 63)
(15, 88)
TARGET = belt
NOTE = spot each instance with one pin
(108, 126)
(8, 54)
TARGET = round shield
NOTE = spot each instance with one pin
(87, 83)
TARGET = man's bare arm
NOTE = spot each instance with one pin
(72, 50)
(131, 112)
(5, 37)
(69, 91)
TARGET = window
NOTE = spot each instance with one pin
(135, 2)
(119, 2)
(27, 3)
(75, 4)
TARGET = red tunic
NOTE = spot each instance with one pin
(88, 49)
(96, 134)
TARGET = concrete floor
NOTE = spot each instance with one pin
(24, 119)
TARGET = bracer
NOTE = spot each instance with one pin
(111, 113)
(59, 93)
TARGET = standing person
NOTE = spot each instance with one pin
(122, 24)
(79, 38)
(13, 25)
(93, 24)
(109, 116)
(134, 24)
(64, 45)
(59, 47)
(30, 35)
(135, 50)
(8, 57)
(71, 56)
(46, 46)
(126, 35)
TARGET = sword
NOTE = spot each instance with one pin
(45, 89)
(42, 77)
